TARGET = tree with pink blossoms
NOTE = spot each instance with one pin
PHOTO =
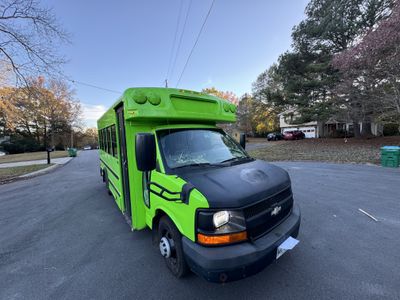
(370, 72)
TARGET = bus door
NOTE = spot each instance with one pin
(124, 160)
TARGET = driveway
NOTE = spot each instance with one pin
(62, 237)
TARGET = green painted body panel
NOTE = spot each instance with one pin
(149, 110)
(183, 215)
(112, 162)
(177, 105)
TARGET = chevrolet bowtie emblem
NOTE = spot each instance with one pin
(276, 210)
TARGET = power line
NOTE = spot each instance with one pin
(94, 86)
(195, 43)
(76, 81)
(174, 42)
(181, 37)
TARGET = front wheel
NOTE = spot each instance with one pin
(170, 242)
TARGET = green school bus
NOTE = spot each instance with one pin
(211, 207)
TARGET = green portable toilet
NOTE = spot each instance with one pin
(72, 152)
(390, 156)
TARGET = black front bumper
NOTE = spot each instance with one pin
(229, 263)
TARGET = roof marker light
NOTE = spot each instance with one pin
(226, 106)
(154, 99)
(140, 98)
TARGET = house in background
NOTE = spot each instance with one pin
(317, 129)
(310, 129)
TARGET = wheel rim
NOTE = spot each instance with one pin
(172, 260)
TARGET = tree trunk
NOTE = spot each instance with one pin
(356, 128)
(52, 136)
(366, 129)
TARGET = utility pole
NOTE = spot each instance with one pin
(166, 83)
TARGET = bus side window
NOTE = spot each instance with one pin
(106, 140)
(102, 140)
(109, 144)
(114, 141)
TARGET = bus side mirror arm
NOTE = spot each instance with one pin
(243, 140)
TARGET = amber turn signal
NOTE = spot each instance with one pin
(221, 239)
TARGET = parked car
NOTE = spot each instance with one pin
(293, 135)
(2, 153)
(87, 148)
(274, 136)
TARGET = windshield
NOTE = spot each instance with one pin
(191, 147)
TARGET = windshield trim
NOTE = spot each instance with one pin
(175, 171)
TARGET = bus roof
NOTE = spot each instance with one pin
(173, 104)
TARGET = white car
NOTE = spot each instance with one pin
(2, 153)
(87, 148)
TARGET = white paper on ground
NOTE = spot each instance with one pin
(288, 244)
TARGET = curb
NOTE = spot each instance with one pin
(39, 172)
(35, 174)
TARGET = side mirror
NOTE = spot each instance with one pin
(145, 152)
(243, 140)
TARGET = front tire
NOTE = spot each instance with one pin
(169, 236)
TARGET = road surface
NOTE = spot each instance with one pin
(62, 237)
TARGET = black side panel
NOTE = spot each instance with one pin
(124, 159)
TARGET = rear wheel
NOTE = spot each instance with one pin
(102, 174)
(170, 242)
(107, 183)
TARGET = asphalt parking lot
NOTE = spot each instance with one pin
(62, 237)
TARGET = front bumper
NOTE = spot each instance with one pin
(229, 263)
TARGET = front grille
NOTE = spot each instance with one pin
(259, 220)
(261, 206)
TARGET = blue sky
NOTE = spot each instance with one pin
(121, 44)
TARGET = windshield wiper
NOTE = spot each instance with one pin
(193, 165)
(232, 159)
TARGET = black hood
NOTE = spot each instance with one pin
(238, 185)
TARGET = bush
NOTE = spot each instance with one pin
(341, 133)
(21, 144)
(391, 129)
(60, 146)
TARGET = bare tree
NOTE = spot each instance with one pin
(29, 38)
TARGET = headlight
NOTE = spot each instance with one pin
(220, 227)
(220, 218)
